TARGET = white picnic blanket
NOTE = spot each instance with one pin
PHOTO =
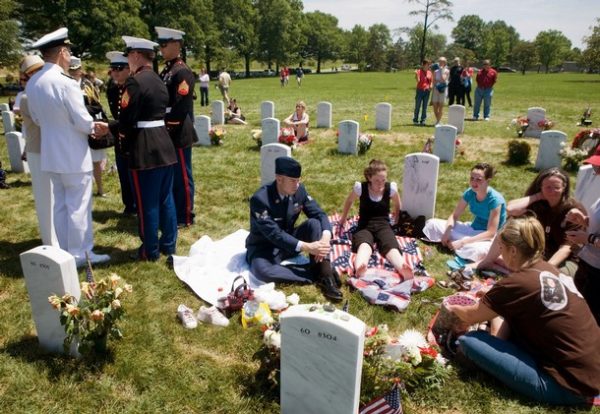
(211, 266)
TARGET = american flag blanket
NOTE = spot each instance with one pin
(381, 284)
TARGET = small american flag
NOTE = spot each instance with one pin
(89, 275)
(389, 403)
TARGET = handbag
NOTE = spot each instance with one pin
(441, 86)
(236, 298)
(408, 226)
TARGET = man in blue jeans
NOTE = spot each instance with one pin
(486, 79)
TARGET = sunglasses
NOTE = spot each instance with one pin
(120, 68)
(163, 43)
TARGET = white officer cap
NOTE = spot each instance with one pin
(165, 33)
(31, 63)
(75, 63)
(137, 43)
(117, 58)
(56, 38)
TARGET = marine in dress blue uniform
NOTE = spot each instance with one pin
(151, 151)
(119, 67)
(179, 79)
(273, 238)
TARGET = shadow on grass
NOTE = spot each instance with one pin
(10, 262)
(28, 350)
(123, 223)
(264, 382)
(18, 183)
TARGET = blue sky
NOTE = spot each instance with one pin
(529, 17)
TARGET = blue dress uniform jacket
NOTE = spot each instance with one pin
(272, 220)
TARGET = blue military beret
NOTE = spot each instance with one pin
(288, 166)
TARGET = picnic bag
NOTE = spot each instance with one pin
(236, 298)
(408, 226)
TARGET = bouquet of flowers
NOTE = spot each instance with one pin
(408, 359)
(587, 139)
(216, 135)
(520, 124)
(572, 157)
(94, 317)
(257, 136)
(287, 136)
(364, 143)
(545, 124)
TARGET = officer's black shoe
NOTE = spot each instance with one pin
(169, 262)
(336, 278)
(330, 290)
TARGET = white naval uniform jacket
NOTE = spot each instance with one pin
(56, 105)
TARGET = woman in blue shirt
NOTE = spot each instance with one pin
(471, 240)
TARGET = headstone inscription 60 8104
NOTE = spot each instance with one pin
(321, 360)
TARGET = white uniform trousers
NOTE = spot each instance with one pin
(73, 212)
(435, 228)
(43, 199)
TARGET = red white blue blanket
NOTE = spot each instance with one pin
(381, 284)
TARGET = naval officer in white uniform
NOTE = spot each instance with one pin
(56, 105)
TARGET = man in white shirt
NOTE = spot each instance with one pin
(56, 105)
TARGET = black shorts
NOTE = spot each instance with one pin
(379, 232)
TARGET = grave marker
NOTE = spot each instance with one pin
(534, 115)
(548, 153)
(348, 137)
(270, 131)
(321, 360)
(268, 154)
(324, 115)
(267, 110)
(15, 145)
(445, 142)
(587, 188)
(456, 117)
(49, 270)
(8, 120)
(218, 113)
(202, 126)
(419, 184)
(383, 116)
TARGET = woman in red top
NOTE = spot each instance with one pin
(424, 80)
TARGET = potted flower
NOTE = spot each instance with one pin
(216, 135)
(364, 143)
(287, 136)
(545, 124)
(572, 157)
(587, 139)
(95, 317)
(520, 124)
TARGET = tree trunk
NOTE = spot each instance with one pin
(247, 61)
(319, 64)
(422, 54)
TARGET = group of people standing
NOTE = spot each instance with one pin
(152, 130)
(440, 83)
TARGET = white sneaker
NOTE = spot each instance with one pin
(186, 316)
(486, 119)
(212, 315)
(81, 261)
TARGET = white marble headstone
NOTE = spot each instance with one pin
(445, 142)
(268, 154)
(419, 185)
(202, 125)
(8, 120)
(218, 113)
(267, 109)
(270, 130)
(4, 107)
(383, 116)
(548, 153)
(16, 144)
(348, 137)
(587, 188)
(321, 361)
(49, 270)
(324, 119)
(456, 117)
(534, 115)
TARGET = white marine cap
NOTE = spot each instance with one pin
(165, 33)
(31, 63)
(56, 38)
(75, 63)
(137, 43)
(117, 58)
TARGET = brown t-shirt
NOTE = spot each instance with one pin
(552, 323)
(552, 220)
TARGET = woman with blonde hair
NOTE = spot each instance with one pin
(299, 121)
(544, 338)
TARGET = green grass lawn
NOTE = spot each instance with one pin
(159, 366)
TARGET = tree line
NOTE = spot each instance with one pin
(233, 33)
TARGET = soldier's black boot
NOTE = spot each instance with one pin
(327, 281)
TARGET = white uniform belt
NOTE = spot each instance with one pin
(150, 124)
(168, 110)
